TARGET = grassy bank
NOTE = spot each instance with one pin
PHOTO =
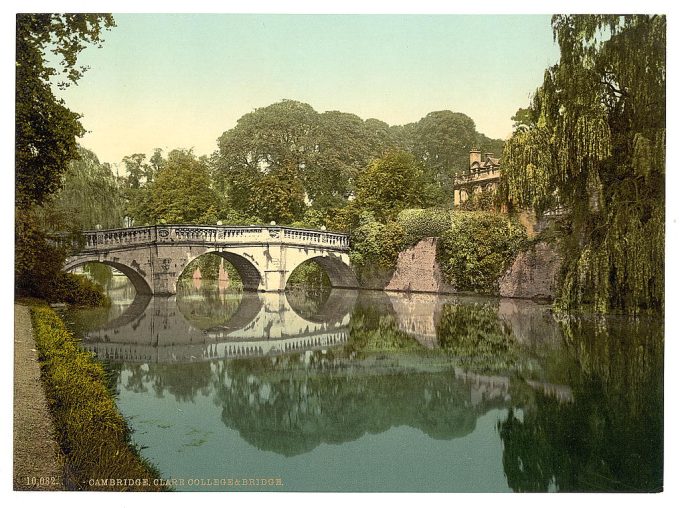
(93, 435)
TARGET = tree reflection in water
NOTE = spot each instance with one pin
(610, 439)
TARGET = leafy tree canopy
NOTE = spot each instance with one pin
(46, 130)
(329, 150)
(391, 184)
(90, 194)
(593, 141)
(181, 192)
(279, 195)
(442, 141)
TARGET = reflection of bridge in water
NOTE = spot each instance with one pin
(172, 329)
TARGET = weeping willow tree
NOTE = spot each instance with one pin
(89, 195)
(593, 143)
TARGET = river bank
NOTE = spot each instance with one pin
(66, 410)
(37, 461)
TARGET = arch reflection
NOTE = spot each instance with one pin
(181, 328)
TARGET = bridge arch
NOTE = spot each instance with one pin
(250, 276)
(141, 284)
(338, 270)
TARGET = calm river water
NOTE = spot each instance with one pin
(374, 391)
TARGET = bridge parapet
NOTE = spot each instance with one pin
(110, 239)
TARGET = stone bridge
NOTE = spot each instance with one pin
(153, 257)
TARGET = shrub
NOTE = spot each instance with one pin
(93, 435)
(75, 290)
(475, 252)
(37, 268)
(375, 249)
(423, 223)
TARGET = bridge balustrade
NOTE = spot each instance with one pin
(219, 235)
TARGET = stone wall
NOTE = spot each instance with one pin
(417, 270)
(532, 274)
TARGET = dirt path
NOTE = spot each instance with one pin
(36, 462)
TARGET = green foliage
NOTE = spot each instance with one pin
(181, 192)
(420, 223)
(343, 146)
(75, 290)
(89, 195)
(279, 195)
(475, 252)
(389, 185)
(375, 249)
(595, 144)
(442, 141)
(45, 144)
(523, 120)
(37, 267)
(140, 172)
(229, 216)
(327, 150)
(314, 219)
(45, 129)
(92, 434)
(484, 201)
(293, 155)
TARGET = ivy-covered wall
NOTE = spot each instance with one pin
(474, 249)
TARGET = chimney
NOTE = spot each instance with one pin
(475, 156)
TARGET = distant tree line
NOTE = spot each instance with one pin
(290, 164)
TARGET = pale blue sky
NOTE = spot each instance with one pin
(181, 80)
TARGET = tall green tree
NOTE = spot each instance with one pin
(182, 192)
(597, 148)
(90, 194)
(45, 129)
(391, 184)
(45, 142)
(329, 151)
(262, 141)
(279, 196)
(137, 170)
(442, 141)
(344, 145)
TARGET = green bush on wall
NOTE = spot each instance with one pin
(477, 248)
(375, 249)
(423, 223)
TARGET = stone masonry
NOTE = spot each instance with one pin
(418, 271)
(532, 274)
(153, 257)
